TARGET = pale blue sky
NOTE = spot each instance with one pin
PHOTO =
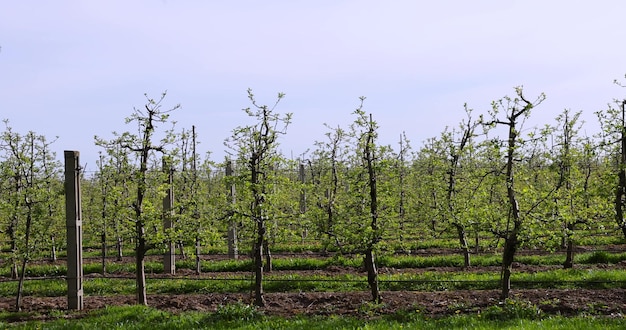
(75, 69)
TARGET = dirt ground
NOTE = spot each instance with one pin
(433, 304)
(609, 302)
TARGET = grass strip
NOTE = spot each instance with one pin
(396, 262)
(241, 316)
(275, 282)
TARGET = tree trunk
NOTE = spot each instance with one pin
(328, 230)
(477, 241)
(620, 196)
(259, 300)
(508, 255)
(20, 286)
(103, 238)
(119, 247)
(53, 252)
(140, 271)
(267, 267)
(198, 265)
(370, 262)
(11, 231)
(464, 245)
(14, 272)
(372, 275)
(569, 254)
(620, 193)
(119, 244)
(169, 259)
(181, 250)
(506, 282)
(233, 251)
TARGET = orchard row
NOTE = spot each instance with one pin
(547, 187)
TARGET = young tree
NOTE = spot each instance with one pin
(451, 182)
(256, 145)
(620, 194)
(188, 191)
(516, 110)
(372, 194)
(457, 209)
(402, 169)
(429, 184)
(369, 156)
(12, 185)
(231, 198)
(287, 206)
(328, 172)
(201, 202)
(119, 177)
(573, 162)
(489, 197)
(145, 211)
(613, 135)
(104, 193)
(34, 180)
(110, 193)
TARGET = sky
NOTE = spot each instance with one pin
(76, 69)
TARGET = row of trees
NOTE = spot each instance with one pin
(537, 187)
(32, 208)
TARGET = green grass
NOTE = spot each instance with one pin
(241, 316)
(275, 282)
(600, 257)
(240, 265)
(456, 260)
(415, 239)
(40, 288)
(304, 263)
(591, 278)
(39, 270)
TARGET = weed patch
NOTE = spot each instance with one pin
(512, 309)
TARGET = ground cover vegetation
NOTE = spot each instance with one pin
(489, 207)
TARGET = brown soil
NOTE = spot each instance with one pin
(610, 302)
(434, 304)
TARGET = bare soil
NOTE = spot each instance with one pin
(433, 304)
(609, 302)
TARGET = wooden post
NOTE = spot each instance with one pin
(169, 260)
(233, 252)
(73, 217)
